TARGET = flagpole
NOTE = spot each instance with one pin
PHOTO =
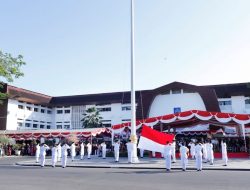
(133, 136)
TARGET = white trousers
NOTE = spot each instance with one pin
(64, 161)
(89, 153)
(168, 162)
(42, 157)
(104, 154)
(53, 160)
(116, 155)
(129, 157)
(198, 162)
(184, 162)
(37, 158)
(225, 158)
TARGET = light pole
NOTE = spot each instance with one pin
(133, 136)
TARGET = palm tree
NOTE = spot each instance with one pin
(91, 118)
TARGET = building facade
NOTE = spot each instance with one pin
(25, 109)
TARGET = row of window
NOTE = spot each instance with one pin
(229, 102)
(34, 125)
(63, 126)
(35, 109)
(61, 111)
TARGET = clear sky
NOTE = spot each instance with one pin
(83, 46)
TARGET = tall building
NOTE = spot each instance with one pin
(25, 109)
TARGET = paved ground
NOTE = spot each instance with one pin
(13, 177)
(145, 163)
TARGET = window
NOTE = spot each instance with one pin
(59, 126)
(126, 108)
(247, 101)
(126, 120)
(225, 103)
(104, 109)
(49, 112)
(106, 125)
(35, 109)
(59, 111)
(28, 108)
(66, 126)
(34, 125)
(176, 91)
(42, 110)
(20, 106)
(48, 126)
(19, 124)
(27, 124)
(41, 126)
(66, 111)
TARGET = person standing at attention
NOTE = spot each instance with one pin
(184, 156)
(73, 151)
(224, 152)
(104, 149)
(37, 152)
(54, 155)
(198, 156)
(167, 154)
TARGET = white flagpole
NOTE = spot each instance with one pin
(133, 136)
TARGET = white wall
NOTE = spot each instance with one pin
(238, 104)
(165, 104)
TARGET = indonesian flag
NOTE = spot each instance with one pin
(153, 140)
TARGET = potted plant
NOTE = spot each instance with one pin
(17, 148)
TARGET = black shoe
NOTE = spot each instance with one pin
(225, 165)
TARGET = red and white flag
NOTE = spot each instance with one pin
(153, 140)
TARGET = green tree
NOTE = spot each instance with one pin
(91, 118)
(9, 69)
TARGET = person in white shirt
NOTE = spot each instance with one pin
(198, 156)
(89, 149)
(153, 154)
(210, 153)
(192, 149)
(59, 152)
(104, 149)
(224, 152)
(54, 153)
(167, 154)
(173, 145)
(43, 150)
(73, 151)
(184, 156)
(116, 150)
(37, 152)
(65, 148)
(82, 150)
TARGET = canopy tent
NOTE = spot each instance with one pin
(191, 118)
(35, 134)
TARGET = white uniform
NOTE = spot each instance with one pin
(82, 151)
(116, 150)
(37, 153)
(54, 156)
(184, 157)
(65, 148)
(104, 149)
(141, 152)
(192, 149)
(198, 156)
(153, 154)
(43, 150)
(205, 152)
(210, 153)
(73, 151)
(173, 151)
(89, 149)
(224, 153)
(59, 152)
(168, 153)
(129, 150)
